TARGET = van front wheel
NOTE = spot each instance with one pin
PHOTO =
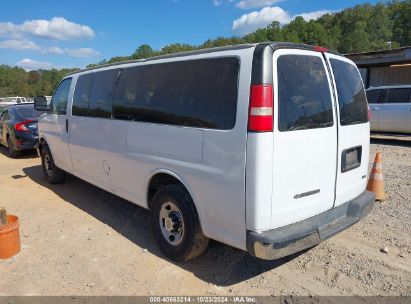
(175, 224)
(53, 174)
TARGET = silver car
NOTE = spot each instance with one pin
(390, 108)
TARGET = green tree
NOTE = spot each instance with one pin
(143, 51)
(361, 28)
(400, 14)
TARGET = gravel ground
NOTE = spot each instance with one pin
(80, 240)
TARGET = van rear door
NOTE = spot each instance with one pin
(305, 137)
(353, 129)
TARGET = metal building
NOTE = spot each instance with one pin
(389, 67)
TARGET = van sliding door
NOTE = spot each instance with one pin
(96, 140)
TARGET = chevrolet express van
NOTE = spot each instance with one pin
(263, 147)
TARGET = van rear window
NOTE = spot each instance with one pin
(351, 95)
(304, 97)
(197, 93)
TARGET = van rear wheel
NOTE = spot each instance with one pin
(54, 175)
(175, 224)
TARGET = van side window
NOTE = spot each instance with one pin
(398, 95)
(60, 97)
(197, 93)
(351, 96)
(82, 95)
(101, 98)
(304, 98)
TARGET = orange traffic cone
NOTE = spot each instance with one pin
(376, 181)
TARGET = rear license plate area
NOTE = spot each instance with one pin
(351, 158)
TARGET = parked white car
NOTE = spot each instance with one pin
(263, 147)
(391, 108)
(14, 100)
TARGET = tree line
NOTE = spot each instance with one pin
(362, 28)
(15, 81)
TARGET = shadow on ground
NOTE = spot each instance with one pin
(25, 154)
(220, 265)
(401, 141)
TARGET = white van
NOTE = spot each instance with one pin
(263, 147)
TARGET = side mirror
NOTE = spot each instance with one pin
(40, 103)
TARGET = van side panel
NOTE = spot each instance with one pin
(96, 147)
(168, 141)
(152, 148)
(209, 162)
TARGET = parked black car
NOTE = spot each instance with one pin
(18, 128)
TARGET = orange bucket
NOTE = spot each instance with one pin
(10, 238)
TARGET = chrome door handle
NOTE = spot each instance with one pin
(375, 108)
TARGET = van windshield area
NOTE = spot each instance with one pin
(351, 95)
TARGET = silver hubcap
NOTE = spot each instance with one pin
(171, 223)
(47, 165)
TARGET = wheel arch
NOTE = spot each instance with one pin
(43, 142)
(163, 177)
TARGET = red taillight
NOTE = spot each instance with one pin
(21, 126)
(260, 117)
(320, 49)
(369, 115)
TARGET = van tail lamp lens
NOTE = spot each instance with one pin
(369, 115)
(320, 49)
(260, 117)
(21, 126)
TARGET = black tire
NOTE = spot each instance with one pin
(54, 175)
(193, 243)
(12, 152)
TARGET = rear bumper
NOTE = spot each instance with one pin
(283, 241)
(25, 141)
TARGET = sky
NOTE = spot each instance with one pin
(65, 34)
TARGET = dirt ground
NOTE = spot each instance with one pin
(79, 240)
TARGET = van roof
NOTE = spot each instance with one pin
(273, 45)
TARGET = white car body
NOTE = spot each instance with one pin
(391, 108)
(14, 100)
(248, 186)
